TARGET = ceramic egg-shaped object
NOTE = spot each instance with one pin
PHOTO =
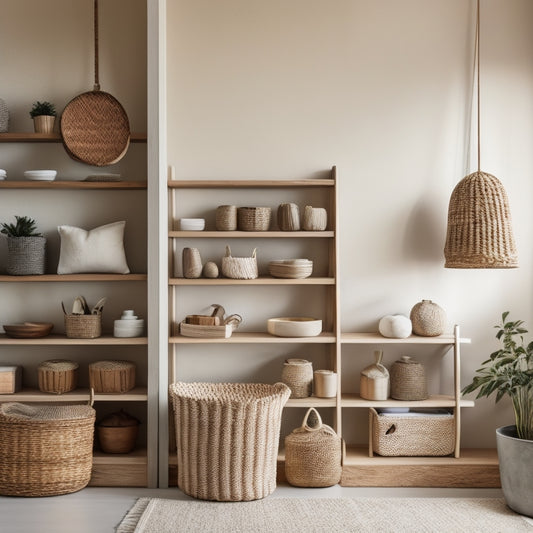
(395, 326)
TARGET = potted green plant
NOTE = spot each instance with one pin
(43, 115)
(509, 371)
(26, 247)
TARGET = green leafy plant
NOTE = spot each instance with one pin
(509, 371)
(24, 227)
(43, 108)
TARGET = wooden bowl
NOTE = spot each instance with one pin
(28, 330)
(294, 326)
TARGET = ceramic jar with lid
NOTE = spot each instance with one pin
(408, 380)
(129, 325)
(374, 383)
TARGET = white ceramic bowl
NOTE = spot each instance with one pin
(288, 326)
(128, 328)
(40, 175)
(192, 224)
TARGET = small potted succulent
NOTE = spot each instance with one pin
(44, 116)
(26, 247)
(509, 372)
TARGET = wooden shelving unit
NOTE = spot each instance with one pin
(30, 137)
(73, 184)
(77, 278)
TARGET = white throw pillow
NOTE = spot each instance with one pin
(98, 250)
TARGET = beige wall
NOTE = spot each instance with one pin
(286, 88)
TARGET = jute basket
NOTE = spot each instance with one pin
(401, 435)
(408, 380)
(112, 377)
(226, 218)
(428, 319)
(254, 218)
(45, 450)
(479, 233)
(297, 374)
(83, 326)
(227, 438)
(313, 455)
(26, 255)
(240, 267)
(58, 376)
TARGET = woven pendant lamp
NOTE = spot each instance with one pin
(479, 233)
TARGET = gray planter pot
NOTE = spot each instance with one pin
(26, 255)
(516, 459)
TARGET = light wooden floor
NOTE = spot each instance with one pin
(100, 510)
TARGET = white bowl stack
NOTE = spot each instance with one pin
(192, 224)
(40, 175)
(3, 174)
(290, 268)
(129, 325)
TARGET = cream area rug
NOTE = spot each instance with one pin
(325, 515)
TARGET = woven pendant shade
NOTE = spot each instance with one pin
(479, 233)
(479, 225)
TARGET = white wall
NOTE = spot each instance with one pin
(286, 88)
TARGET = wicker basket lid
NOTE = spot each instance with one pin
(41, 413)
(479, 231)
(59, 365)
(111, 366)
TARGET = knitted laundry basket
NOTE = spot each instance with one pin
(26, 255)
(227, 437)
(45, 450)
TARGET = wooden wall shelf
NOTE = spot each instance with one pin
(30, 137)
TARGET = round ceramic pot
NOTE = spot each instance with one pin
(515, 457)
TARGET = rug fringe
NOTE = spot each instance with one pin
(132, 517)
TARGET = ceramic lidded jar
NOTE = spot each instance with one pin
(297, 374)
(374, 383)
(408, 380)
(428, 319)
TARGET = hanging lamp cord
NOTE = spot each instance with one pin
(476, 66)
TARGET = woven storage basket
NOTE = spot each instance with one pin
(239, 267)
(112, 376)
(254, 218)
(227, 438)
(58, 376)
(428, 319)
(4, 117)
(26, 255)
(83, 326)
(226, 218)
(479, 233)
(408, 380)
(402, 435)
(297, 374)
(45, 450)
(313, 455)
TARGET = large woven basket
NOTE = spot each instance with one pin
(403, 435)
(26, 255)
(313, 454)
(227, 438)
(45, 450)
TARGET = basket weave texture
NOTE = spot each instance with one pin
(240, 267)
(58, 376)
(4, 116)
(297, 374)
(254, 218)
(227, 438)
(313, 454)
(226, 218)
(428, 319)
(408, 380)
(45, 450)
(83, 326)
(479, 231)
(26, 256)
(409, 436)
(112, 376)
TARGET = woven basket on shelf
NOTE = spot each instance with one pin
(402, 435)
(83, 326)
(227, 438)
(313, 454)
(240, 267)
(45, 450)
(58, 376)
(226, 218)
(408, 380)
(254, 218)
(479, 233)
(297, 374)
(26, 255)
(112, 377)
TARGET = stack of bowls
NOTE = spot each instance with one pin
(3, 174)
(192, 224)
(40, 175)
(128, 325)
(290, 268)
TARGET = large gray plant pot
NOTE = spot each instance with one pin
(516, 469)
